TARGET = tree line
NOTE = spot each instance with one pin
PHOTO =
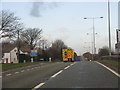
(102, 52)
(12, 31)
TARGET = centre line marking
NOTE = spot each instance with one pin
(38, 86)
(108, 69)
(8, 74)
(56, 74)
(67, 67)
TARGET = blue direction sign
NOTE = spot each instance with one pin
(33, 54)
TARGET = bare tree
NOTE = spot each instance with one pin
(56, 49)
(31, 36)
(103, 51)
(44, 44)
(9, 24)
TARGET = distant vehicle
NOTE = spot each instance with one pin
(41, 59)
(77, 58)
(68, 55)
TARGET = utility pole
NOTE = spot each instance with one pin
(109, 28)
(94, 47)
(18, 47)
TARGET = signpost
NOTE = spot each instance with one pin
(33, 54)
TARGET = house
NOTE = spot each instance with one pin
(117, 48)
(10, 56)
(9, 53)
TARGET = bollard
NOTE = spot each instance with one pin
(31, 59)
(50, 59)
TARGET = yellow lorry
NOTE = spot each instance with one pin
(68, 55)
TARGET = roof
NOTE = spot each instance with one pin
(7, 47)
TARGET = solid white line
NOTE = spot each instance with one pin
(16, 72)
(22, 70)
(38, 86)
(108, 69)
(56, 74)
(67, 67)
(8, 74)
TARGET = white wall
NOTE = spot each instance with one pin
(7, 55)
(14, 56)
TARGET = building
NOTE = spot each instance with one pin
(9, 53)
(10, 56)
(117, 45)
(117, 48)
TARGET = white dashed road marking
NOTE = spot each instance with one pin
(8, 74)
(38, 86)
(36, 67)
(56, 74)
(108, 69)
(67, 67)
(28, 69)
(22, 70)
(16, 72)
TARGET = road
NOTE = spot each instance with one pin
(30, 76)
(83, 74)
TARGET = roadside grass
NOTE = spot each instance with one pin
(7, 66)
(114, 64)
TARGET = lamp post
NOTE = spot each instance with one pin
(109, 28)
(93, 18)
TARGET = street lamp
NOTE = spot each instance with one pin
(109, 28)
(93, 18)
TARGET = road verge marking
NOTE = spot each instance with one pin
(22, 70)
(8, 74)
(38, 86)
(108, 69)
(56, 74)
(71, 64)
(28, 69)
(36, 67)
(16, 72)
(67, 67)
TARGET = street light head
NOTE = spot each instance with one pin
(101, 17)
(85, 18)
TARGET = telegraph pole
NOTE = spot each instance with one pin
(109, 28)
(18, 46)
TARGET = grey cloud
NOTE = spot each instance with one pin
(38, 7)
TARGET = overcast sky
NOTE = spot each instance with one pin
(64, 20)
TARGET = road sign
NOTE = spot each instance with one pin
(33, 54)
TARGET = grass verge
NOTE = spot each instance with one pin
(7, 66)
(113, 64)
